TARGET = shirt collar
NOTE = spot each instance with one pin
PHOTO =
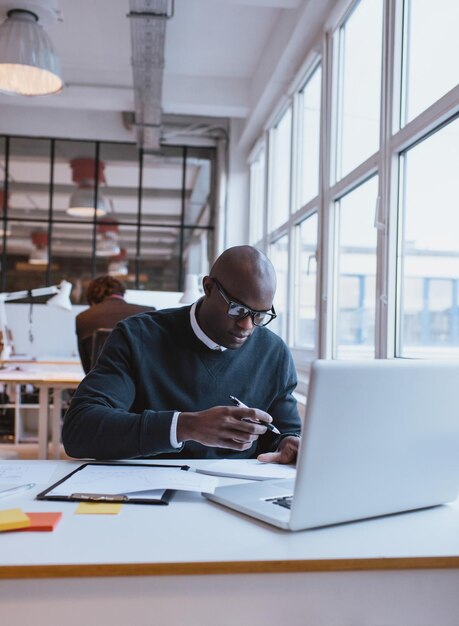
(200, 334)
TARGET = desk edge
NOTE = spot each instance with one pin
(225, 567)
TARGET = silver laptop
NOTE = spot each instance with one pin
(379, 437)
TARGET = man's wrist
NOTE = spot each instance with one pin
(184, 427)
(281, 438)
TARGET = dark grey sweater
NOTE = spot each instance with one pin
(152, 365)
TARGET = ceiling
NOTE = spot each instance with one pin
(223, 58)
(212, 51)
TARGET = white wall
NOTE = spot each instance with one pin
(236, 226)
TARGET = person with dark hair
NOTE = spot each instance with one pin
(107, 306)
(164, 384)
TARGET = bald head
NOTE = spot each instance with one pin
(243, 276)
(246, 268)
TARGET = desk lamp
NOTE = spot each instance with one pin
(61, 298)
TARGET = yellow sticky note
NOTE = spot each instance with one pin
(11, 519)
(99, 508)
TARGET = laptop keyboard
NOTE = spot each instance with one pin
(285, 501)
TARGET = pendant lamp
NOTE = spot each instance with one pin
(28, 64)
(82, 201)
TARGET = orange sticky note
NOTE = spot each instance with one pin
(43, 522)
(12, 519)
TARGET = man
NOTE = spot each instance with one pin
(107, 306)
(163, 382)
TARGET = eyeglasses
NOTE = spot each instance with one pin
(239, 311)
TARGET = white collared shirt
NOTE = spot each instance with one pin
(201, 335)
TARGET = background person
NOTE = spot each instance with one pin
(107, 306)
(161, 386)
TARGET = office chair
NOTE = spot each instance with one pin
(99, 337)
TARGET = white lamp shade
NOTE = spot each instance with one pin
(192, 291)
(62, 299)
(107, 246)
(118, 268)
(38, 256)
(28, 63)
(82, 203)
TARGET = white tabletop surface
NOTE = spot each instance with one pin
(193, 530)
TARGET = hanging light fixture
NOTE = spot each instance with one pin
(118, 265)
(28, 64)
(39, 252)
(107, 237)
(82, 201)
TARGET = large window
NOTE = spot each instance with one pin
(373, 187)
(309, 144)
(431, 53)
(280, 159)
(356, 256)
(358, 65)
(429, 249)
(257, 195)
(76, 209)
(305, 284)
(279, 256)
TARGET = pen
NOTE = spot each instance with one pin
(13, 490)
(246, 419)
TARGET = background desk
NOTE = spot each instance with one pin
(196, 563)
(45, 376)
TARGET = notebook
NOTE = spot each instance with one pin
(379, 437)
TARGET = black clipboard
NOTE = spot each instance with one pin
(112, 498)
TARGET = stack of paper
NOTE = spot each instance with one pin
(250, 469)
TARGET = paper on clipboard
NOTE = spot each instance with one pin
(130, 480)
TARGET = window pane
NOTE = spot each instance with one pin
(172, 226)
(429, 267)
(305, 283)
(431, 51)
(355, 325)
(279, 258)
(310, 139)
(257, 196)
(121, 173)
(197, 187)
(162, 177)
(280, 171)
(360, 86)
(159, 264)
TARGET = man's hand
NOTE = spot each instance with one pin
(286, 452)
(223, 427)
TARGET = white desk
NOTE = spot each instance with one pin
(196, 563)
(45, 376)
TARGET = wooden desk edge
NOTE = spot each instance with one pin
(225, 567)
